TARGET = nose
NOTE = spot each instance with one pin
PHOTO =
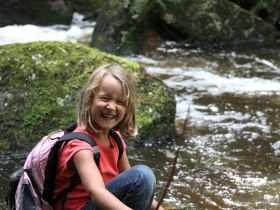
(111, 105)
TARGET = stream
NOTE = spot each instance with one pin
(229, 157)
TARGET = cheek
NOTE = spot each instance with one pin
(92, 112)
(122, 115)
(94, 109)
(123, 110)
(97, 105)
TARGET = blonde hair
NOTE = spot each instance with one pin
(127, 127)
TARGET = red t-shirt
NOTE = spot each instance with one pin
(108, 168)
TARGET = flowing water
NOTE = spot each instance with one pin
(229, 157)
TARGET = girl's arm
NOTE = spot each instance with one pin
(93, 182)
(123, 163)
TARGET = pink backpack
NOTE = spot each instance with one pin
(31, 187)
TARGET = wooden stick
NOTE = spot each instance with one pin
(173, 169)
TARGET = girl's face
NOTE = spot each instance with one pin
(109, 104)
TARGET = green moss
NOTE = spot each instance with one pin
(5, 145)
(128, 26)
(40, 83)
(151, 113)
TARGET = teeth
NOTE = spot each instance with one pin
(107, 116)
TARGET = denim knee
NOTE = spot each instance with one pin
(148, 178)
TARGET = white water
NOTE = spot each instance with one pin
(78, 30)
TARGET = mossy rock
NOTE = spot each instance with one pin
(141, 26)
(40, 83)
(267, 10)
(216, 22)
(123, 27)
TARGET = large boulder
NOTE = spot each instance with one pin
(267, 10)
(123, 27)
(133, 27)
(40, 83)
(45, 12)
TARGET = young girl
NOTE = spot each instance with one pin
(107, 102)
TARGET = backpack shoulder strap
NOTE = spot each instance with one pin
(76, 179)
(71, 127)
(78, 135)
(69, 135)
(83, 137)
(119, 142)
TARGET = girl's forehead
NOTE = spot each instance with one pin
(109, 80)
(111, 84)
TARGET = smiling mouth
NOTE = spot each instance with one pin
(108, 116)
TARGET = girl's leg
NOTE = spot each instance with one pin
(135, 187)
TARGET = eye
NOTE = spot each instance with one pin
(103, 98)
(121, 102)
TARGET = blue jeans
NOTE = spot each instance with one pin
(135, 187)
